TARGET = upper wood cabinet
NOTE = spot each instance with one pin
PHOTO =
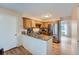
(46, 24)
(36, 23)
(27, 23)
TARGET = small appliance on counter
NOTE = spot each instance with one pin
(36, 30)
(24, 31)
(29, 30)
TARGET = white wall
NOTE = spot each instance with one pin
(74, 22)
(78, 24)
(17, 15)
(74, 30)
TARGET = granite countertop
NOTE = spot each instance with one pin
(40, 36)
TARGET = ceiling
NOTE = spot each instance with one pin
(41, 9)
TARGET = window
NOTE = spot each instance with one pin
(63, 28)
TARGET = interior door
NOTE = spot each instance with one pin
(7, 31)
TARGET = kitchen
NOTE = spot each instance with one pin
(38, 36)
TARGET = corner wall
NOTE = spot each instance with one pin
(18, 16)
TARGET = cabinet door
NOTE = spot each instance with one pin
(27, 23)
(24, 23)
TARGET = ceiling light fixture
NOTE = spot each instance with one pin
(46, 16)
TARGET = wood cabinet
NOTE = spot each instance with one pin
(27, 23)
(45, 24)
(37, 24)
